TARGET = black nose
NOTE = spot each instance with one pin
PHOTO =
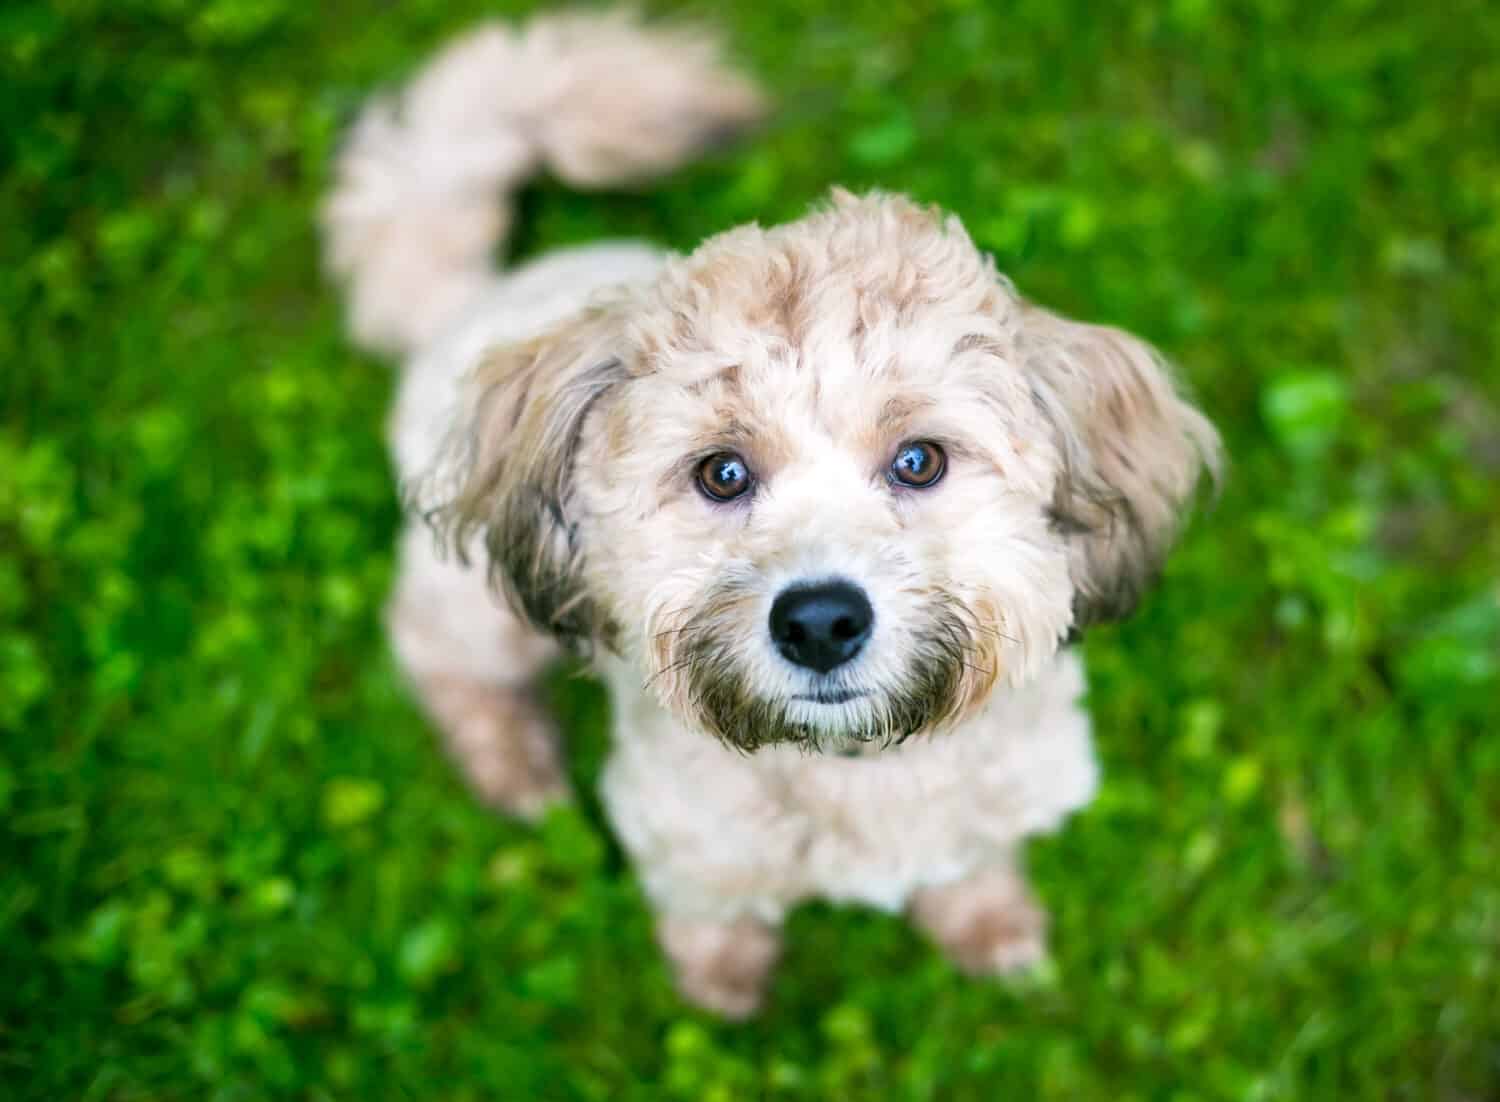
(821, 626)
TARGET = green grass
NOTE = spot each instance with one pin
(234, 865)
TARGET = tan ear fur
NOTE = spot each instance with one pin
(507, 477)
(1134, 452)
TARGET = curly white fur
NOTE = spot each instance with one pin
(551, 419)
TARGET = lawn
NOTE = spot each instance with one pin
(233, 862)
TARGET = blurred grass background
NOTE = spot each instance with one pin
(233, 864)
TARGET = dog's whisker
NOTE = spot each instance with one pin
(670, 668)
(996, 632)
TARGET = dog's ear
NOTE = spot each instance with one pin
(1133, 449)
(505, 479)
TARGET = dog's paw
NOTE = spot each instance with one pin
(989, 925)
(999, 942)
(508, 750)
(721, 967)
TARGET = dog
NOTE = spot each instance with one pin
(826, 504)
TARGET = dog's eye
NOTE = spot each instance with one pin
(723, 476)
(919, 463)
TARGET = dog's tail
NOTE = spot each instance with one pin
(418, 202)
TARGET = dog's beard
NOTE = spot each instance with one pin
(940, 682)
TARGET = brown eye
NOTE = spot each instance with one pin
(919, 463)
(723, 476)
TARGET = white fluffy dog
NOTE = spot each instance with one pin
(825, 503)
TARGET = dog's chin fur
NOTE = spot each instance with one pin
(726, 708)
(550, 424)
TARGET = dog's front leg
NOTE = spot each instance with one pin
(722, 966)
(714, 844)
(988, 924)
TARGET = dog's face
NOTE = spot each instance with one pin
(827, 483)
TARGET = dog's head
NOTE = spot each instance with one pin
(828, 482)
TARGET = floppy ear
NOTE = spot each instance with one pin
(1133, 451)
(506, 476)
